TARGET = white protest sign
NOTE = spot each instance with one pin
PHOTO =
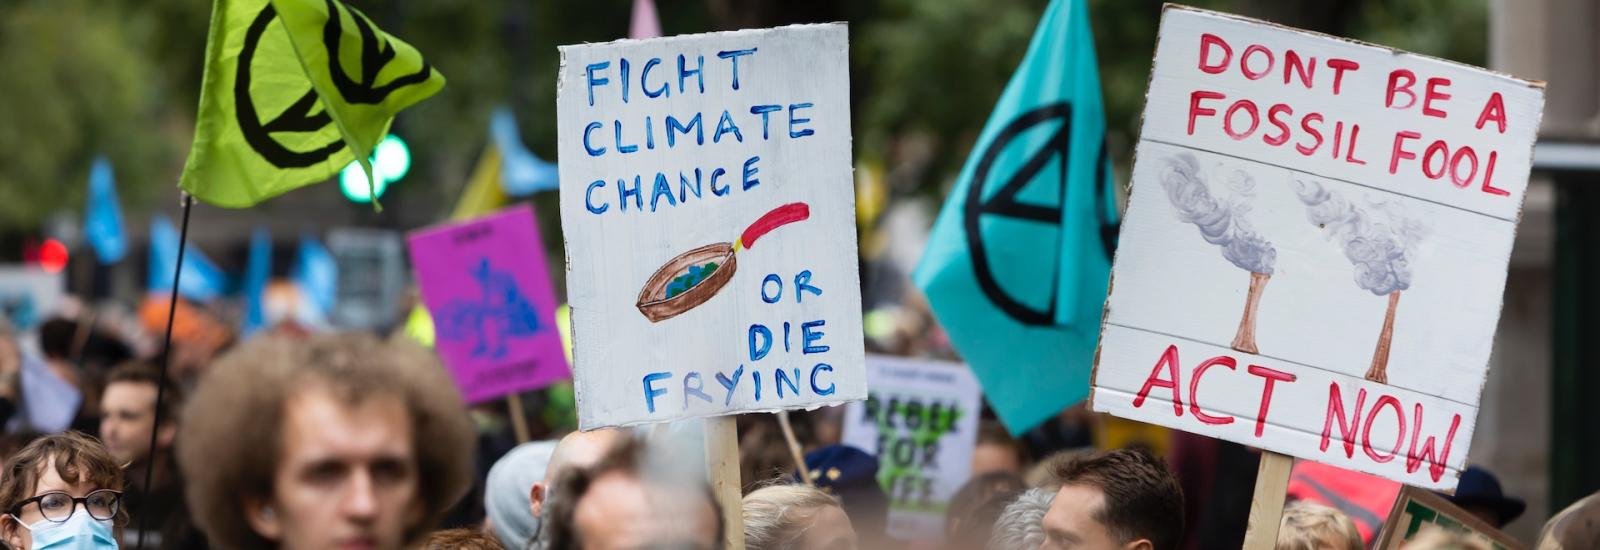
(709, 212)
(921, 421)
(1315, 246)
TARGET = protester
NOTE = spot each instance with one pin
(997, 451)
(1122, 499)
(1479, 493)
(577, 450)
(129, 407)
(10, 368)
(851, 475)
(332, 440)
(61, 491)
(1020, 526)
(631, 499)
(976, 506)
(1309, 526)
(506, 495)
(1577, 526)
(796, 517)
(461, 539)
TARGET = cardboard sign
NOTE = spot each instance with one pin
(1315, 246)
(1419, 508)
(486, 283)
(709, 213)
(921, 421)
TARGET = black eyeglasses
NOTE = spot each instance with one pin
(58, 507)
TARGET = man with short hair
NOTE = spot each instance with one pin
(128, 408)
(1115, 500)
(622, 503)
(331, 441)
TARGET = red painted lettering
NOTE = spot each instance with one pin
(1400, 424)
(1244, 62)
(1269, 377)
(1194, 389)
(1488, 175)
(1195, 110)
(1347, 426)
(1169, 359)
(1350, 152)
(1283, 128)
(1433, 92)
(1398, 153)
(1494, 109)
(1443, 151)
(1414, 459)
(1305, 124)
(1293, 63)
(1207, 41)
(1455, 167)
(1395, 87)
(1339, 66)
(1227, 118)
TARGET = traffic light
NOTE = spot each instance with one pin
(391, 160)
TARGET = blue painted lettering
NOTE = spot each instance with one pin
(684, 72)
(726, 125)
(697, 390)
(588, 197)
(650, 391)
(592, 150)
(623, 192)
(793, 121)
(820, 367)
(771, 298)
(763, 110)
(807, 337)
(590, 70)
(750, 170)
(644, 74)
(756, 353)
(734, 57)
(699, 130)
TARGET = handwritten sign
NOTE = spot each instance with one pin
(487, 285)
(921, 420)
(709, 212)
(1315, 246)
(1419, 508)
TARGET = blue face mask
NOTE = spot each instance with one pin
(79, 532)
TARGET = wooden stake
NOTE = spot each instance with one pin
(1266, 507)
(794, 447)
(519, 418)
(722, 469)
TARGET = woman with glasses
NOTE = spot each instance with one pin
(61, 492)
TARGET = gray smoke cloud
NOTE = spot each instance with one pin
(1379, 246)
(1221, 223)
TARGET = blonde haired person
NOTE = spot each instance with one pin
(795, 517)
(1309, 526)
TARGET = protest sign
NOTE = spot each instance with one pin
(1419, 508)
(708, 207)
(921, 420)
(1358, 205)
(29, 295)
(486, 283)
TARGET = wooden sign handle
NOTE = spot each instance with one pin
(722, 469)
(1266, 507)
(519, 417)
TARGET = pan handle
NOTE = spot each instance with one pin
(782, 215)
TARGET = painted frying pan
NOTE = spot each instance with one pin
(693, 277)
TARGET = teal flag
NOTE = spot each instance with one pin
(1017, 263)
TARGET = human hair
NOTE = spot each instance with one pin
(232, 435)
(992, 432)
(1043, 473)
(1142, 499)
(1021, 525)
(1311, 526)
(627, 457)
(74, 456)
(777, 516)
(977, 504)
(1437, 538)
(462, 539)
(139, 372)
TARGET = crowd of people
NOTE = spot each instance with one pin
(296, 440)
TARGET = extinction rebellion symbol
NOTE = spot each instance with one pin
(1004, 203)
(375, 54)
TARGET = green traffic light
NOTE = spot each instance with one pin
(391, 160)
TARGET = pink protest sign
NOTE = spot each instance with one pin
(486, 283)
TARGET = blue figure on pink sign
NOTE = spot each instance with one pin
(502, 312)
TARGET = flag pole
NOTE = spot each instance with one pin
(166, 360)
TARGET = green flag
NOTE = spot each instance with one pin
(293, 91)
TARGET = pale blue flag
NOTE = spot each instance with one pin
(522, 173)
(317, 275)
(1017, 263)
(102, 217)
(257, 270)
(202, 281)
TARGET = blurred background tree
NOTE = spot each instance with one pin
(120, 78)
